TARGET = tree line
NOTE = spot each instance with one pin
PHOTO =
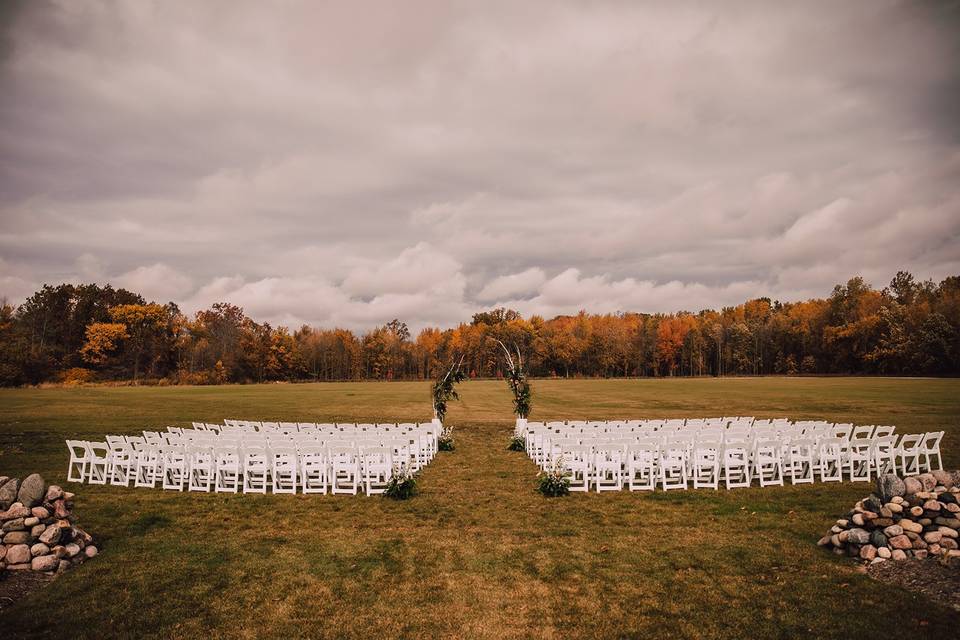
(82, 333)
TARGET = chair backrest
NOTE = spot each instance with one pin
(931, 440)
(883, 431)
(910, 442)
(78, 449)
(863, 431)
(97, 449)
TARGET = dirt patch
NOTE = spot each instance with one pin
(938, 582)
(15, 585)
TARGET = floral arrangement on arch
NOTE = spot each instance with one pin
(517, 380)
(444, 389)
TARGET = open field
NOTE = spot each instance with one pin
(478, 553)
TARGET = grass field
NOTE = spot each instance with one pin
(478, 553)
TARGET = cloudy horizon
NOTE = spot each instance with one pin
(345, 165)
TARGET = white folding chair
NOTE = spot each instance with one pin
(607, 465)
(99, 462)
(673, 466)
(859, 459)
(122, 464)
(642, 466)
(284, 471)
(830, 459)
(799, 460)
(706, 464)
(377, 467)
(201, 468)
(908, 453)
(576, 465)
(256, 467)
(768, 462)
(228, 469)
(736, 466)
(930, 450)
(148, 469)
(885, 454)
(313, 469)
(174, 467)
(344, 469)
(79, 459)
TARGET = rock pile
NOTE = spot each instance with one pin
(912, 517)
(38, 528)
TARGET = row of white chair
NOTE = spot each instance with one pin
(610, 456)
(345, 461)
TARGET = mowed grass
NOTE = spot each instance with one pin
(478, 553)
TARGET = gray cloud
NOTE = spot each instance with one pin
(349, 164)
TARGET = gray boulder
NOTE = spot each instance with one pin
(32, 490)
(8, 492)
(878, 539)
(858, 536)
(890, 486)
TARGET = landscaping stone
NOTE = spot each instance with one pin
(17, 524)
(17, 538)
(943, 478)
(909, 525)
(900, 542)
(45, 563)
(37, 522)
(912, 486)
(51, 535)
(8, 492)
(54, 492)
(17, 554)
(893, 530)
(32, 490)
(932, 537)
(15, 510)
(922, 522)
(858, 536)
(928, 481)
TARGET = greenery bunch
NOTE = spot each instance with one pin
(445, 439)
(402, 483)
(517, 443)
(554, 481)
(444, 389)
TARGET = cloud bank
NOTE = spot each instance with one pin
(346, 165)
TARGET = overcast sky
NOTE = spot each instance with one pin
(348, 163)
